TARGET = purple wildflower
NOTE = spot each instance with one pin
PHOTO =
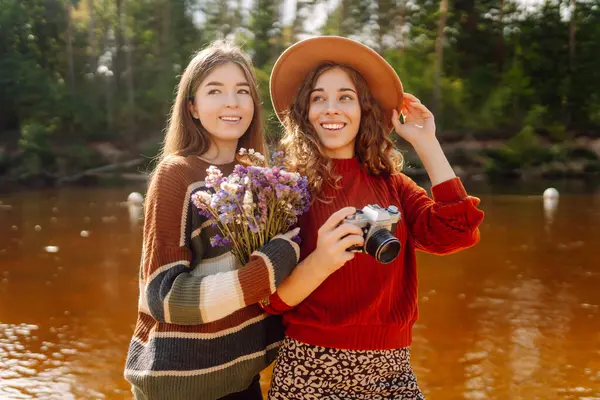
(255, 195)
(219, 240)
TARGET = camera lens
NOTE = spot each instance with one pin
(383, 246)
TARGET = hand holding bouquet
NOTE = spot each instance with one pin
(253, 204)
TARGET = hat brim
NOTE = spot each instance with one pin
(297, 61)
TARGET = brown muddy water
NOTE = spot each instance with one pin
(516, 317)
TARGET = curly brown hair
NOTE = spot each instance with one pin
(304, 150)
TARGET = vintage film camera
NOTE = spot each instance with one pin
(378, 225)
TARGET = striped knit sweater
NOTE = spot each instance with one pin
(200, 333)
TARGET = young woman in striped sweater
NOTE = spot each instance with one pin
(200, 333)
(349, 325)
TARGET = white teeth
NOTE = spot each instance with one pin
(333, 127)
(234, 119)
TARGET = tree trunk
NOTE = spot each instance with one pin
(572, 28)
(399, 28)
(238, 16)
(343, 28)
(386, 17)
(500, 45)
(439, 59)
(569, 115)
(107, 78)
(92, 38)
(109, 102)
(118, 64)
(278, 47)
(70, 65)
(130, 90)
(380, 26)
(166, 36)
(165, 49)
(298, 24)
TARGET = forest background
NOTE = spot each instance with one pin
(86, 86)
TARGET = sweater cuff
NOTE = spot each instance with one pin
(274, 305)
(282, 257)
(450, 191)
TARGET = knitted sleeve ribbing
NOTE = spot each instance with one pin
(445, 224)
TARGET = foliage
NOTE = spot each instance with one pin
(74, 73)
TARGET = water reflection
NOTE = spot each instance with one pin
(507, 319)
(136, 213)
(517, 317)
(73, 278)
(550, 208)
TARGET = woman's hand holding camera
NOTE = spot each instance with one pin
(335, 237)
(329, 255)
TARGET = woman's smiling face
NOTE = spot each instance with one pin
(223, 103)
(335, 112)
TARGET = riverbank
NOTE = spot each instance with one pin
(520, 158)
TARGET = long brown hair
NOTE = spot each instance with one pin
(304, 150)
(186, 135)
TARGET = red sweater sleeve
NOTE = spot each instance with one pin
(445, 224)
(274, 305)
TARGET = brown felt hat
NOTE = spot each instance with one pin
(295, 63)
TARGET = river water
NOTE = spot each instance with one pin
(516, 317)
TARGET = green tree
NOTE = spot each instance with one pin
(265, 24)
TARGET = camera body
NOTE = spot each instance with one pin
(378, 225)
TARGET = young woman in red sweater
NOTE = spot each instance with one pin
(349, 316)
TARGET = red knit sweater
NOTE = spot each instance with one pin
(366, 305)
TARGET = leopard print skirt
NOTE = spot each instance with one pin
(306, 372)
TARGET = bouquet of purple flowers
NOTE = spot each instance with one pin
(253, 204)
